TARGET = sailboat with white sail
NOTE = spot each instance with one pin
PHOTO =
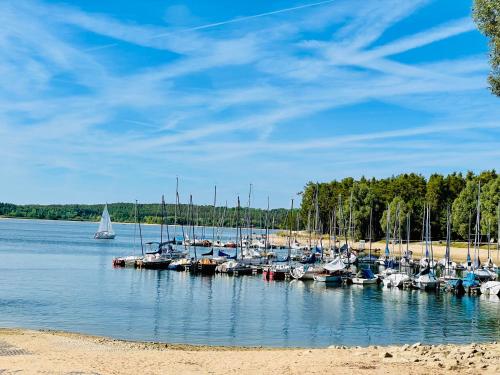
(105, 230)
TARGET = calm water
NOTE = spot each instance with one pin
(55, 275)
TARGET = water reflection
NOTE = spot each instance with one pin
(54, 275)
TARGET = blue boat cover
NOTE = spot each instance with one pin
(223, 254)
(310, 260)
(211, 252)
(367, 273)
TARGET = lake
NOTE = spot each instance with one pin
(54, 275)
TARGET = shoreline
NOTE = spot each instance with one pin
(49, 351)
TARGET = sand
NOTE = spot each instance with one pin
(458, 254)
(49, 352)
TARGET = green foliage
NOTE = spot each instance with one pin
(411, 191)
(149, 213)
(486, 14)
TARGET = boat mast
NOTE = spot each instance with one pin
(135, 225)
(350, 221)
(290, 236)
(498, 231)
(214, 217)
(448, 241)
(316, 216)
(488, 237)
(266, 239)
(140, 230)
(334, 229)
(176, 207)
(330, 233)
(162, 218)
(309, 227)
(238, 228)
(387, 234)
(370, 233)
(477, 235)
(249, 219)
(192, 226)
(408, 235)
(429, 234)
(468, 240)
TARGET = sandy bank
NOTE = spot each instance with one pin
(36, 352)
(458, 254)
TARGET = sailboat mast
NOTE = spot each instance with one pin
(290, 235)
(350, 220)
(214, 217)
(448, 240)
(468, 239)
(140, 230)
(334, 229)
(192, 226)
(498, 231)
(249, 219)
(162, 218)
(408, 235)
(387, 234)
(477, 235)
(238, 229)
(176, 207)
(266, 239)
(370, 233)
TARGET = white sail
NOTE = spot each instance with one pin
(105, 223)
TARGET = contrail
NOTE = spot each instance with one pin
(234, 20)
(241, 19)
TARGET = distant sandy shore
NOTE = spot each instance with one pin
(458, 254)
(50, 352)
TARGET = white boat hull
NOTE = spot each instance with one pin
(104, 236)
(396, 280)
(491, 288)
(360, 281)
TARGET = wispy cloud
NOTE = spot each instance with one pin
(251, 92)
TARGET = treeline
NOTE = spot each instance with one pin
(411, 192)
(148, 213)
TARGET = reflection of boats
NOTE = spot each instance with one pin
(105, 230)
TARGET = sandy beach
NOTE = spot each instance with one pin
(458, 254)
(50, 352)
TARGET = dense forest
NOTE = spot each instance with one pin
(411, 192)
(148, 213)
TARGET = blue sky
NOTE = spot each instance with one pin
(111, 100)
